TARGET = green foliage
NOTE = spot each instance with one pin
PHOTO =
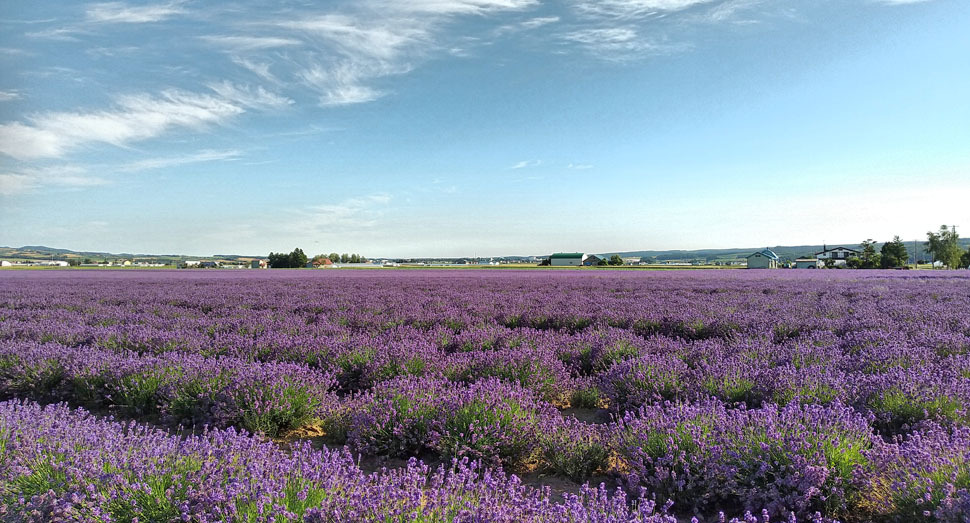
(903, 409)
(944, 246)
(893, 254)
(576, 455)
(732, 389)
(480, 430)
(616, 260)
(137, 394)
(586, 398)
(869, 259)
(619, 351)
(294, 260)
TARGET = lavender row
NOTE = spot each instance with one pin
(900, 390)
(188, 389)
(64, 465)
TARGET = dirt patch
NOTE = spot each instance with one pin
(594, 416)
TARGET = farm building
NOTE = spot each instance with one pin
(593, 260)
(567, 259)
(808, 263)
(839, 255)
(5, 263)
(765, 259)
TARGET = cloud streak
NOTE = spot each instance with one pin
(176, 161)
(17, 182)
(122, 13)
(134, 118)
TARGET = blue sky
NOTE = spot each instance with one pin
(481, 127)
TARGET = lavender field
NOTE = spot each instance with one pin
(463, 395)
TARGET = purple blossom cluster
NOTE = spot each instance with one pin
(815, 395)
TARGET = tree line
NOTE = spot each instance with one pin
(943, 245)
(297, 258)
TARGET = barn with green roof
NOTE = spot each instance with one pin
(567, 259)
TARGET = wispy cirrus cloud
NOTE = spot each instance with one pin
(176, 161)
(539, 21)
(6, 96)
(57, 34)
(252, 97)
(526, 163)
(352, 213)
(249, 43)
(348, 51)
(133, 118)
(634, 8)
(899, 2)
(123, 13)
(16, 182)
(619, 43)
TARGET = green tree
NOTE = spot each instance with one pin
(944, 246)
(869, 258)
(344, 258)
(355, 258)
(893, 254)
(965, 259)
(293, 260)
(297, 258)
(334, 257)
(616, 260)
(279, 260)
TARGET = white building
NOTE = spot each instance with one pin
(567, 259)
(838, 255)
(764, 259)
(5, 263)
(809, 263)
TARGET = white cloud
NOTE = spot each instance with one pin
(526, 163)
(260, 69)
(614, 43)
(899, 2)
(122, 13)
(533, 23)
(342, 84)
(175, 161)
(454, 7)
(136, 117)
(6, 96)
(381, 40)
(634, 8)
(579, 166)
(60, 34)
(250, 43)
(352, 213)
(63, 176)
(249, 96)
(346, 52)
